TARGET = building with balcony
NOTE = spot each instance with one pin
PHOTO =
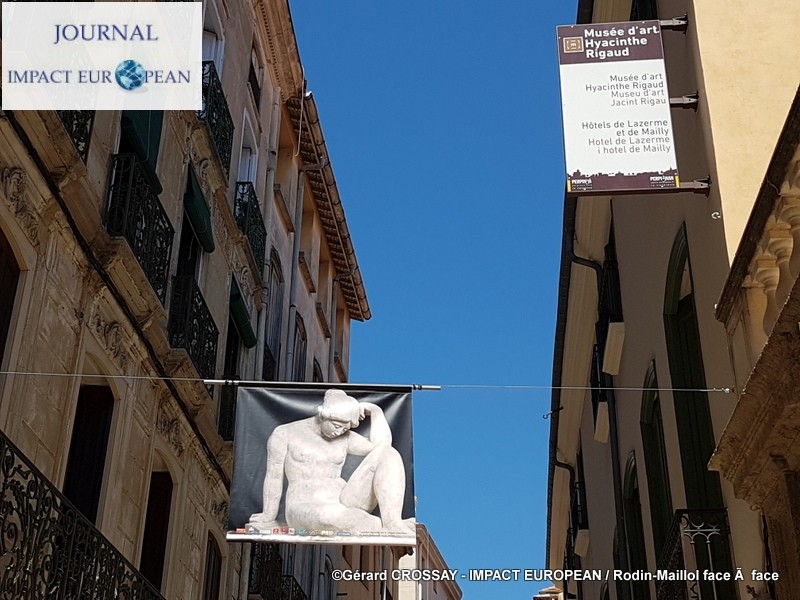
(759, 452)
(646, 378)
(142, 252)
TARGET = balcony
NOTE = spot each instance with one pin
(78, 124)
(191, 325)
(698, 539)
(135, 212)
(216, 115)
(266, 567)
(248, 217)
(48, 548)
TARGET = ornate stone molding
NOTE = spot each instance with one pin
(219, 510)
(111, 335)
(13, 182)
(169, 426)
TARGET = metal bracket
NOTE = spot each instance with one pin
(700, 186)
(681, 22)
(685, 101)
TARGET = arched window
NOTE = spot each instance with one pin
(274, 308)
(213, 569)
(300, 349)
(634, 530)
(655, 460)
(692, 413)
(9, 277)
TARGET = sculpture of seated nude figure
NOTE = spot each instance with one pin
(311, 453)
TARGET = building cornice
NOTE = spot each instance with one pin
(305, 120)
(768, 196)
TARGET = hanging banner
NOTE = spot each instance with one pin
(317, 465)
(615, 107)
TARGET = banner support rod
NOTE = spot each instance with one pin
(320, 384)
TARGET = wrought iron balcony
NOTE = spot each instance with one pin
(266, 567)
(248, 217)
(48, 549)
(191, 326)
(698, 539)
(78, 124)
(291, 589)
(216, 114)
(135, 212)
(266, 580)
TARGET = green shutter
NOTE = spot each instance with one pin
(241, 317)
(198, 212)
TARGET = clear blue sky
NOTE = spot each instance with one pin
(443, 124)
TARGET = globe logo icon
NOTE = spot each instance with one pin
(129, 75)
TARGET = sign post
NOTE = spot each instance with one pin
(615, 107)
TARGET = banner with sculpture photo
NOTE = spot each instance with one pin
(615, 107)
(323, 465)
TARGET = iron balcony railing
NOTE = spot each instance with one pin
(216, 114)
(78, 124)
(291, 589)
(48, 549)
(248, 217)
(266, 581)
(191, 326)
(266, 567)
(699, 539)
(135, 212)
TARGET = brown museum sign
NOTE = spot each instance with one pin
(615, 107)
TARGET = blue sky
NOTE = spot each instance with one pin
(443, 124)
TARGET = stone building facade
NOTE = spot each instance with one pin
(760, 307)
(646, 377)
(142, 252)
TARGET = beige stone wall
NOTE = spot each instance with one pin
(86, 313)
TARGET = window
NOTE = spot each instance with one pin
(213, 37)
(254, 77)
(213, 570)
(230, 370)
(274, 310)
(655, 460)
(317, 372)
(188, 251)
(83, 482)
(9, 276)
(156, 528)
(644, 10)
(634, 530)
(248, 155)
(692, 413)
(300, 348)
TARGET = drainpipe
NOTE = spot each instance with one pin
(611, 401)
(616, 474)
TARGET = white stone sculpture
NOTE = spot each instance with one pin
(311, 454)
